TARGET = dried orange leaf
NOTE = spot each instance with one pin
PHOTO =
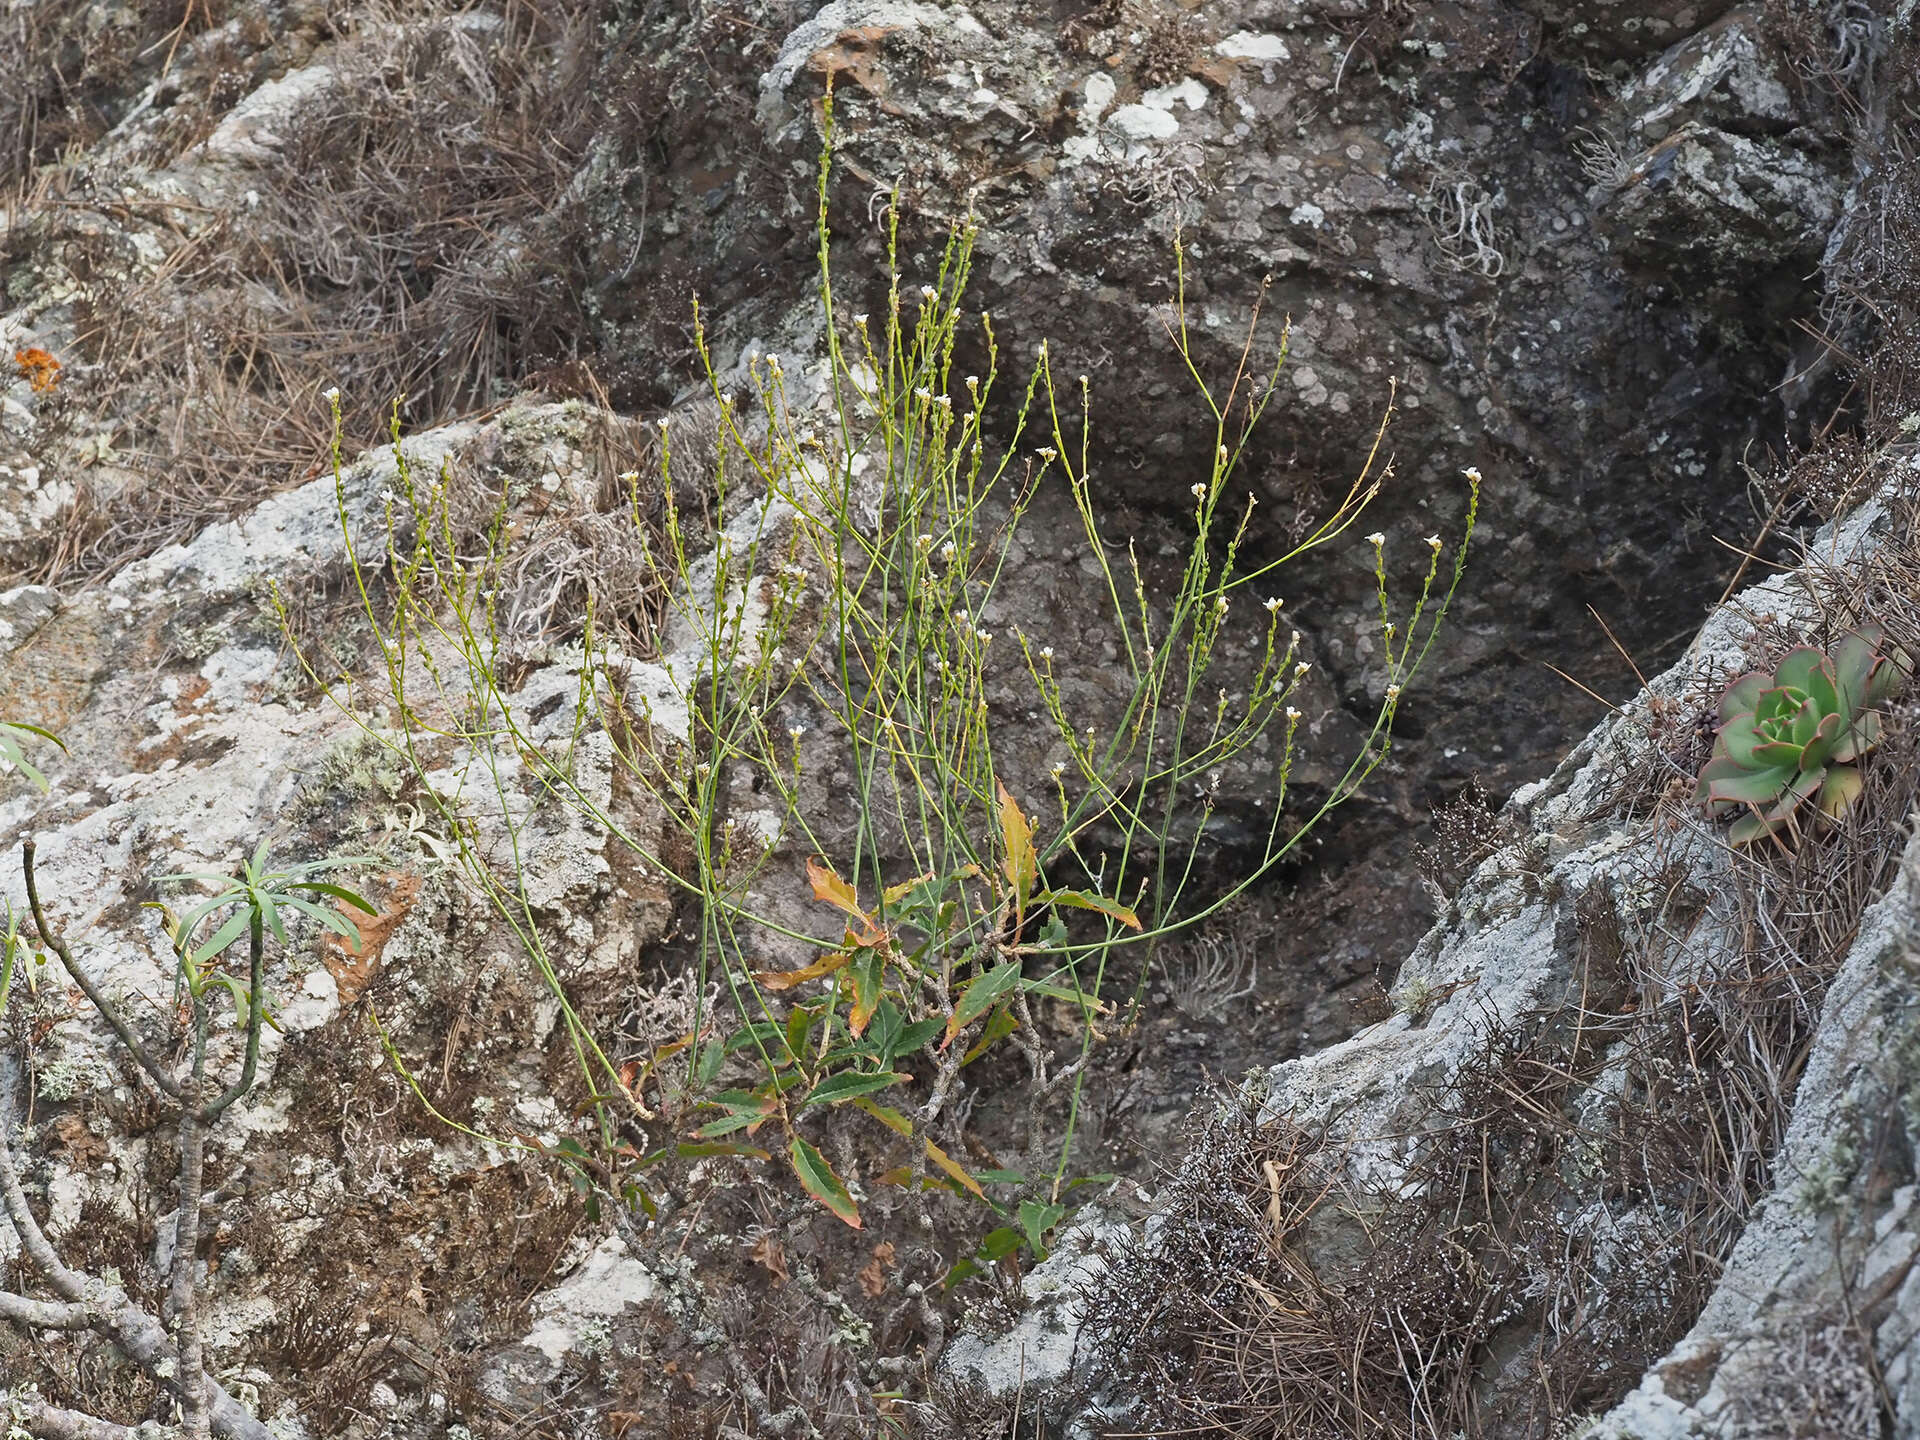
(953, 1167)
(1020, 865)
(787, 979)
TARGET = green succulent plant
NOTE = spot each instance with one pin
(1791, 737)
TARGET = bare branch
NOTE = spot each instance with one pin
(108, 1012)
(50, 1422)
(46, 1314)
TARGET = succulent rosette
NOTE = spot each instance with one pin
(1792, 737)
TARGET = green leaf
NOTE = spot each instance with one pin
(1796, 668)
(818, 1180)
(755, 1035)
(1756, 787)
(1737, 738)
(1037, 1217)
(917, 1035)
(800, 1022)
(342, 894)
(1000, 1024)
(868, 967)
(728, 1124)
(691, 1149)
(836, 1088)
(1744, 694)
(242, 997)
(1084, 900)
(235, 927)
(980, 997)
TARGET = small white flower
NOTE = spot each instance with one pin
(961, 617)
(983, 636)
(1302, 668)
(1083, 380)
(1433, 543)
(1391, 629)
(663, 424)
(923, 541)
(927, 292)
(1274, 602)
(773, 363)
(861, 319)
(1293, 716)
(1199, 492)
(948, 551)
(796, 731)
(726, 399)
(1059, 768)
(920, 392)
(1376, 539)
(386, 496)
(1048, 453)
(1293, 642)
(331, 395)
(1472, 472)
(1393, 693)
(630, 477)
(973, 382)
(1221, 604)
(943, 402)
(1223, 452)
(1046, 652)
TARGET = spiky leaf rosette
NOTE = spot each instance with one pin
(1793, 736)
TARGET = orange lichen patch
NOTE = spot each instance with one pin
(352, 972)
(41, 370)
(852, 54)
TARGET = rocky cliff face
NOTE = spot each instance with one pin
(1597, 251)
(1633, 1158)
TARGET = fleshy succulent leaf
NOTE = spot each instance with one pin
(1854, 663)
(1796, 669)
(1823, 688)
(1788, 737)
(1753, 787)
(1840, 789)
(1743, 694)
(1864, 735)
(1737, 738)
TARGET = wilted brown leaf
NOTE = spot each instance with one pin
(771, 1256)
(873, 1276)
